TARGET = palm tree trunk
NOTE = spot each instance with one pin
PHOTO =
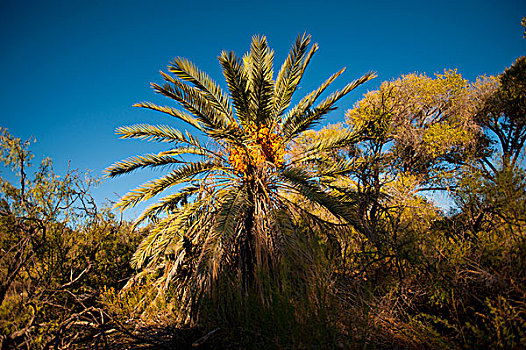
(247, 252)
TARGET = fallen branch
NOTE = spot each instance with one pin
(204, 338)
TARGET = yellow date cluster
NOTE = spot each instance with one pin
(267, 147)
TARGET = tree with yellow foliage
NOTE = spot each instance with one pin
(418, 134)
(424, 125)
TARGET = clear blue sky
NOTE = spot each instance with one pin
(71, 70)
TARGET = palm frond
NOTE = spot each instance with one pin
(155, 244)
(232, 209)
(218, 250)
(169, 202)
(308, 58)
(308, 189)
(335, 170)
(289, 75)
(154, 187)
(145, 249)
(187, 118)
(237, 82)
(332, 142)
(197, 151)
(309, 100)
(190, 99)
(311, 117)
(187, 71)
(259, 65)
(128, 165)
(298, 111)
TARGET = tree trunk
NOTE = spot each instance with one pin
(247, 252)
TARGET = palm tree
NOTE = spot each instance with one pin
(238, 202)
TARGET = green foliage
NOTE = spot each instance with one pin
(429, 279)
(287, 318)
(57, 249)
(502, 114)
(134, 302)
(502, 325)
(425, 125)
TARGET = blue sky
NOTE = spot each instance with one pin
(71, 70)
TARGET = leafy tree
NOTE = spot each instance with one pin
(423, 278)
(233, 215)
(487, 190)
(417, 134)
(502, 115)
(57, 251)
(484, 235)
(422, 126)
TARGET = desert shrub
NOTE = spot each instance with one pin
(57, 250)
